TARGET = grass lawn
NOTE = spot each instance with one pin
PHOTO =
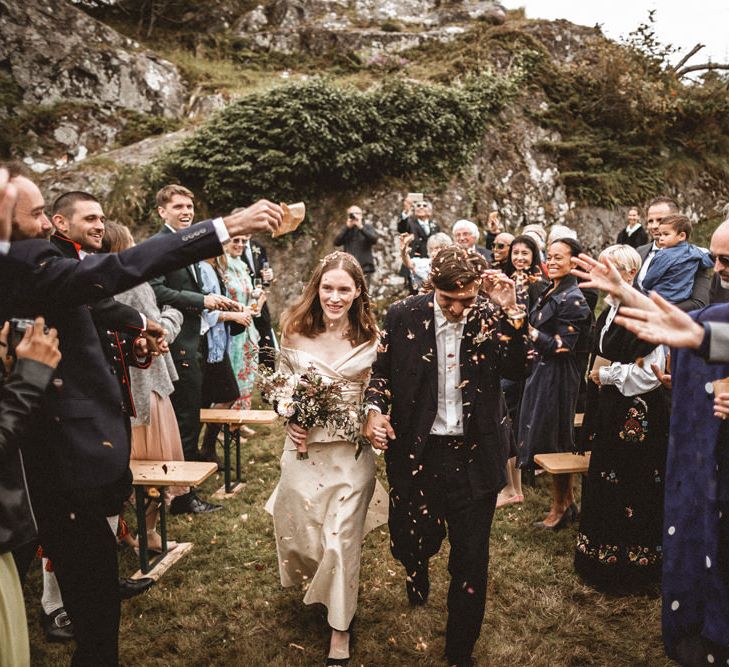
(222, 604)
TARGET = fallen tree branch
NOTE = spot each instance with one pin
(688, 56)
(706, 66)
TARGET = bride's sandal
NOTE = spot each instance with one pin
(337, 660)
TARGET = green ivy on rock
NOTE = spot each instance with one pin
(313, 138)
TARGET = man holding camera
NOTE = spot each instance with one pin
(77, 453)
(357, 238)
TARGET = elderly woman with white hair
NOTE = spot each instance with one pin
(466, 234)
(560, 232)
(626, 428)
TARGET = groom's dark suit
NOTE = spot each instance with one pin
(446, 480)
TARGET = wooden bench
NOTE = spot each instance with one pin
(230, 418)
(150, 478)
(563, 463)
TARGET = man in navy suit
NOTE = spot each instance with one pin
(77, 454)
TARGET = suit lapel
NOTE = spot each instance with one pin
(469, 366)
(423, 326)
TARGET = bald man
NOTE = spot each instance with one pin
(719, 290)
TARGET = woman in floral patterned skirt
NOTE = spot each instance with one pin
(244, 348)
(626, 428)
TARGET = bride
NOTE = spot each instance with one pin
(320, 506)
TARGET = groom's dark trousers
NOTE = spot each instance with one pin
(446, 482)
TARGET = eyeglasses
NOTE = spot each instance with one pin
(353, 215)
(237, 242)
(501, 246)
(722, 259)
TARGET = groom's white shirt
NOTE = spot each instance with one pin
(449, 419)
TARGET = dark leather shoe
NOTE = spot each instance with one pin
(129, 588)
(417, 586)
(191, 504)
(57, 626)
(462, 662)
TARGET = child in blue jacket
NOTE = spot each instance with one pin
(672, 271)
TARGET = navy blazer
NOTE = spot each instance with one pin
(404, 383)
(81, 439)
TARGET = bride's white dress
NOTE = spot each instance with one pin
(324, 505)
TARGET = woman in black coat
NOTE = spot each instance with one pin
(546, 421)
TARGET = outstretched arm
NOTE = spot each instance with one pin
(663, 323)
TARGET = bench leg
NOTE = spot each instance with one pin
(237, 455)
(163, 519)
(141, 508)
(226, 457)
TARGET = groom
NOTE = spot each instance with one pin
(435, 395)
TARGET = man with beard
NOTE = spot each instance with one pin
(77, 452)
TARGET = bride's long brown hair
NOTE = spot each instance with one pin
(306, 317)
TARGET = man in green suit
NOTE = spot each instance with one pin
(182, 289)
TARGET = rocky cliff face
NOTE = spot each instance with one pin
(84, 74)
(366, 28)
(105, 72)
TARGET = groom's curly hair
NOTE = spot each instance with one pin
(452, 268)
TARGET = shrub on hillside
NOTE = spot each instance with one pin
(316, 137)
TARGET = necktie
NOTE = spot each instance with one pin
(249, 258)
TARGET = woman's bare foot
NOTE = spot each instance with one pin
(511, 499)
(154, 542)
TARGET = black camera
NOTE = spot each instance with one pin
(352, 216)
(18, 327)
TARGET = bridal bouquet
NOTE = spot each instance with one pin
(309, 400)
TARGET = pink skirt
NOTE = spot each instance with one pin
(160, 440)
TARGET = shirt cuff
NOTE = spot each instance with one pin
(144, 321)
(604, 374)
(34, 372)
(4, 247)
(371, 406)
(221, 230)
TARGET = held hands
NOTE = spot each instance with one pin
(263, 216)
(36, 344)
(155, 337)
(378, 429)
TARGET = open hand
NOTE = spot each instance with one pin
(665, 325)
(500, 288)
